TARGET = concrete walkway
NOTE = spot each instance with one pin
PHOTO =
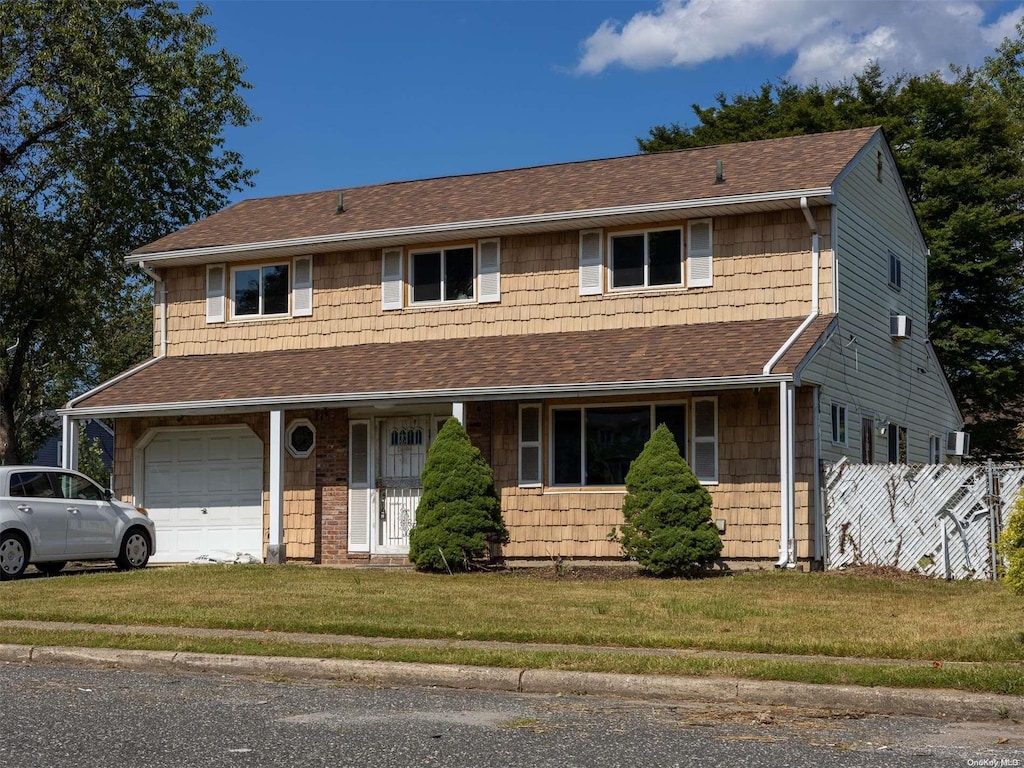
(957, 705)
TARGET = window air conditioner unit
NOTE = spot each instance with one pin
(958, 443)
(899, 326)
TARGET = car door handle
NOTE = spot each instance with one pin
(73, 510)
(24, 508)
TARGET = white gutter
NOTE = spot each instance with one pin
(157, 280)
(787, 413)
(815, 304)
(508, 221)
(355, 399)
(68, 409)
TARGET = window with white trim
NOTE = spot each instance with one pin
(300, 438)
(934, 449)
(839, 425)
(529, 446)
(594, 445)
(254, 291)
(646, 259)
(442, 275)
(895, 271)
(259, 291)
(897, 436)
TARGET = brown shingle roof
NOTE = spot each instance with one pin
(753, 168)
(550, 360)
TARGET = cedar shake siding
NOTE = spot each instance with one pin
(761, 270)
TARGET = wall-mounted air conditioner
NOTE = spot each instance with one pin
(899, 326)
(958, 443)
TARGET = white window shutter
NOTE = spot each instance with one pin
(700, 270)
(591, 262)
(705, 439)
(529, 446)
(215, 277)
(360, 494)
(489, 270)
(391, 284)
(302, 287)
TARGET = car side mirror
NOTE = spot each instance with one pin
(107, 494)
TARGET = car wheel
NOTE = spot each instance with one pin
(13, 556)
(134, 550)
(51, 569)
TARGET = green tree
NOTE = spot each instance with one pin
(90, 458)
(958, 144)
(668, 526)
(459, 514)
(112, 114)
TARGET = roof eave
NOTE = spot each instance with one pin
(583, 219)
(363, 399)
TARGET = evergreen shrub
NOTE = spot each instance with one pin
(459, 514)
(668, 527)
(1011, 547)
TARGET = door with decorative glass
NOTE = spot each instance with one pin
(402, 452)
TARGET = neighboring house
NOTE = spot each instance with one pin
(767, 301)
(51, 451)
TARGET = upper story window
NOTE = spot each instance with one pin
(665, 257)
(456, 273)
(646, 259)
(260, 291)
(255, 291)
(447, 274)
(895, 270)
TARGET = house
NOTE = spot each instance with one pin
(767, 301)
(51, 451)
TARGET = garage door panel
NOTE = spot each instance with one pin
(219, 471)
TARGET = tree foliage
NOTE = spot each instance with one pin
(1011, 547)
(459, 514)
(958, 143)
(668, 526)
(112, 114)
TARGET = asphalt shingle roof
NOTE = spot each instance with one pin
(525, 361)
(751, 168)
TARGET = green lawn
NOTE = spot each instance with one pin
(795, 613)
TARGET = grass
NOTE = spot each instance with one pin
(781, 613)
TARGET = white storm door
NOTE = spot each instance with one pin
(402, 452)
(204, 490)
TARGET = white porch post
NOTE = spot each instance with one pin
(787, 475)
(459, 412)
(69, 446)
(275, 546)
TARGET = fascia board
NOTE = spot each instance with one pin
(359, 399)
(452, 227)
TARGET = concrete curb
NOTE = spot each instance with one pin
(954, 705)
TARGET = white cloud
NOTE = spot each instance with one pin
(830, 39)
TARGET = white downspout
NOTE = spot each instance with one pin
(815, 302)
(149, 272)
(787, 412)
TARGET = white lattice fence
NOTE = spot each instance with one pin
(934, 519)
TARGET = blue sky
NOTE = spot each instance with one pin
(353, 93)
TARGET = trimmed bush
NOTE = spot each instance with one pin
(1011, 546)
(459, 514)
(668, 526)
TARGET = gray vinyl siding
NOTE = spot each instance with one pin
(862, 367)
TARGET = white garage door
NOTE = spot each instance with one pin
(204, 490)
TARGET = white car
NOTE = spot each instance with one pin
(49, 516)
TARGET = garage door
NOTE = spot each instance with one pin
(204, 490)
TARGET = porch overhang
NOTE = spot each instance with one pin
(638, 361)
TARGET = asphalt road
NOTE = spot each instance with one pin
(67, 717)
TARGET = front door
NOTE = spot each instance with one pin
(402, 452)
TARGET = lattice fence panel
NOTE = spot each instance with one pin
(935, 519)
